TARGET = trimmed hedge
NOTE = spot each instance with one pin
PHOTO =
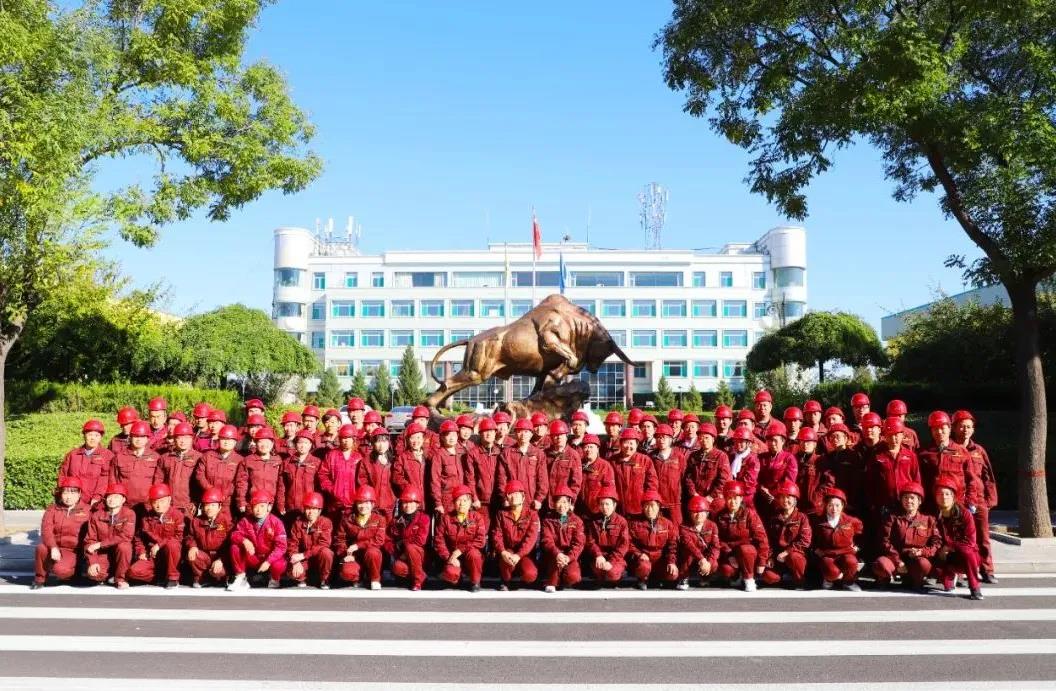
(53, 397)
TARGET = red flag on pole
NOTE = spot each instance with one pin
(537, 237)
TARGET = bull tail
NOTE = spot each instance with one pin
(622, 355)
(449, 346)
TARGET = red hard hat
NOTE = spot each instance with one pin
(563, 491)
(787, 488)
(366, 493)
(201, 410)
(313, 500)
(629, 433)
(414, 429)
(871, 420)
(228, 432)
(690, 417)
(608, 492)
(698, 503)
(255, 403)
(217, 416)
(614, 418)
(501, 417)
(733, 488)
(962, 415)
(723, 411)
(139, 429)
(947, 482)
(178, 415)
(291, 416)
(448, 426)
(256, 420)
(523, 425)
(69, 482)
(938, 419)
(580, 416)
(838, 427)
(675, 415)
(539, 418)
(486, 425)
(911, 488)
(708, 428)
(304, 434)
(356, 404)
(93, 426)
(348, 432)
(807, 434)
(648, 418)
(379, 432)
(259, 496)
(764, 395)
(412, 494)
(464, 421)
(265, 433)
(893, 425)
(513, 486)
(372, 417)
(651, 495)
(859, 399)
(310, 411)
(837, 493)
(664, 431)
(897, 407)
(116, 488)
(157, 404)
(213, 495)
(742, 434)
(833, 410)
(635, 416)
(159, 491)
(420, 411)
(746, 414)
(776, 429)
(462, 491)
(331, 412)
(183, 430)
(812, 407)
(127, 415)
(558, 427)
(591, 439)
(792, 413)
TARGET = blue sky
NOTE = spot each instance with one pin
(442, 123)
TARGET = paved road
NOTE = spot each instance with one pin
(191, 639)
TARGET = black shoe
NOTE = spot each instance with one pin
(976, 594)
(172, 584)
(503, 588)
(35, 586)
(641, 585)
(989, 578)
(474, 588)
(324, 586)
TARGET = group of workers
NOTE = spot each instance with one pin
(811, 499)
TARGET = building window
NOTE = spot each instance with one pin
(492, 308)
(401, 339)
(759, 280)
(477, 279)
(588, 305)
(705, 339)
(699, 279)
(462, 308)
(287, 278)
(619, 338)
(643, 308)
(342, 368)
(432, 308)
(318, 339)
(319, 281)
(394, 368)
(373, 308)
(521, 279)
(597, 279)
(795, 309)
(734, 308)
(419, 279)
(461, 336)
(403, 308)
(613, 308)
(438, 369)
(675, 339)
(656, 279)
(732, 368)
(643, 339)
(431, 339)
(289, 309)
(519, 308)
(341, 339)
(759, 310)
(342, 308)
(372, 338)
(674, 368)
(370, 367)
(704, 308)
(789, 277)
(734, 339)
(726, 279)
(706, 368)
(351, 280)
(377, 280)
(318, 311)
(641, 372)
(674, 308)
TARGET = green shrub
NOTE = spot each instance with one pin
(48, 397)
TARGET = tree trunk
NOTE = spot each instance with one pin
(1034, 519)
(821, 371)
(5, 348)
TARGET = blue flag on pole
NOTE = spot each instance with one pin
(562, 274)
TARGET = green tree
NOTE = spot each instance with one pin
(358, 388)
(815, 339)
(410, 390)
(329, 391)
(665, 397)
(693, 400)
(723, 394)
(380, 395)
(959, 99)
(162, 82)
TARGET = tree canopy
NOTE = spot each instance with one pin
(816, 339)
(409, 389)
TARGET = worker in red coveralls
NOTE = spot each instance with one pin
(310, 419)
(375, 470)
(743, 547)
(291, 425)
(897, 408)
(176, 469)
(564, 538)
(959, 552)
(808, 477)
(466, 426)
(634, 474)
(564, 465)
(135, 466)
(406, 538)
(744, 464)
(835, 543)
(608, 539)
(89, 463)
(834, 417)
(944, 457)
(793, 419)
(260, 470)
(776, 467)
(698, 544)
(410, 468)
(647, 435)
(258, 544)
(357, 413)
(514, 536)
(206, 540)
(860, 406)
(200, 418)
(578, 429)
(981, 492)
(337, 474)
(420, 417)
(299, 476)
(502, 424)
(360, 537)
(909, 543)
(724, 426)
(653, 551)
(674, 420)
(613, 427)
(893, 465)
(540, 430)
(525, 463)
(447, 469)
(158, 417)
(459, 541)
(764, 406)
(688, 440)
(211, 439)
(329, 438)
(708, 469)
(842, 467)
(871, 433)
(597, 475)
(670, 466)
(483, 462)
(62, 529)
(158, 543)
(308, 547)
(254, 406)
(219, 468)
(108, 542)
(247, 444)
(126, 415)
(789, 534)
(812, 417)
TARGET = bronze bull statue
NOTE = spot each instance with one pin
(552, 341)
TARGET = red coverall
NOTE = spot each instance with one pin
(257, 474)
(774, 469)
(209, 537)
(468, 537)
(609, 538)
(373, 473)
(564, 467)
(596, 475)
(657, 541)
(313, 541)
(844, 469)
(953, 461)
(118, 442)
(885, 474)
(64, 528)
(695, 546)
(484, 465)
(982, 494)
(670, 473)
(447, 471)
(901, 534)
(203, 442)
(115, 532)
(409, 471)
(178, 473)
(748, 475)
(791, 535)
(298, 479)
(369, 539)
(633, 476)
(742, 539)
(337, 479)
(269, 542)
(405, 542)
(566, 537)
(92, 470)
(528, 467)
(166, 531)
(519, 535)
(136, 473)
(808, 478)
(217, 470)
(835, 548)
(706, 474)
(959, 552)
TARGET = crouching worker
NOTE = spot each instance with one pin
(61, 531)
(258, 543)
(654, 544)
(514, 536)
(908, 542)
(459, 540)
(608, 540)
(108, 544)
(743, 547)
(788, 531)
(360, 537)
(563, 541)
(308, 547)
(159, 540)
(698, 544)
(406, 538)
(207, 539)
(959, 552)
(835, 543)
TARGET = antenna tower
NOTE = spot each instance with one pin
(653, 200)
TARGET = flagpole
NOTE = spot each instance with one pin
(506, 279)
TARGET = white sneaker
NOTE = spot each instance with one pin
(240, 583)
(749, 585)
(375, 585)
(273, 584)
(549, 589)
(682, 585)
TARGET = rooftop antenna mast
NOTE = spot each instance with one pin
(653, 200)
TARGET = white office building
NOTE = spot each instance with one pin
(687, 315)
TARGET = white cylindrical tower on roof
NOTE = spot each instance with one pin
(293, 247)
(787, 247)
